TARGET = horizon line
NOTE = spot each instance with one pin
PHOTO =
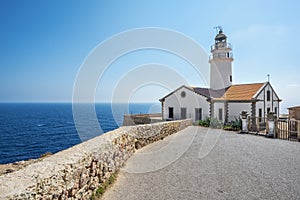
(57, 102)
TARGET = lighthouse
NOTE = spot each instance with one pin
(220, 61)
(222, 100)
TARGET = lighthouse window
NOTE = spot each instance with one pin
(230, 78)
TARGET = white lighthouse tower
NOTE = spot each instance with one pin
(220, 62)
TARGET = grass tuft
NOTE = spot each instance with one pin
(100, 191)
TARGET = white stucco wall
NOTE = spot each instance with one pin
(190, 102)
(217, 106)
(235, 109)
(260, 104)
(264, 104)
(193, 100)
(220, 72)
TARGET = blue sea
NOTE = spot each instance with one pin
(28, 130)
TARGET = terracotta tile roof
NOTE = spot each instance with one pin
(295, 107)
(242, 92)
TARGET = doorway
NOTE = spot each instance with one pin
(171, 112)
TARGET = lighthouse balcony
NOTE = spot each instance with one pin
(221, 55)
(221, 45)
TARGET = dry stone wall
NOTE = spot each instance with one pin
(77, 172)
(135, 119)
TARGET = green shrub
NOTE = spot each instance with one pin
(215, 123)
(205, 122)
(234, 125)
(210, 122)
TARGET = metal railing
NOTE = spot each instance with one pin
(285, 129)
(220, 45)
(257, 125)
(221, 55)
(288, 129)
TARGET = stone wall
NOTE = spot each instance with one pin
(136, 119)
(77, 172)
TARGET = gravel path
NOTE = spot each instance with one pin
(211, 164)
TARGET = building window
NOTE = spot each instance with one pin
(268, 95)
(183, 113)
(260, 115)
(275, 110)
(171, 112)
(198, 114)
(230, 78)
(268, 110)
(220, 114)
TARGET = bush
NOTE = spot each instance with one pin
(234, 125)
(215, 123)
(210, 122)
(205, 122)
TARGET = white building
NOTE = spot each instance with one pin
(222, 100)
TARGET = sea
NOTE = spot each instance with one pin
(29, 130)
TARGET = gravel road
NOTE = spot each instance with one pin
(201, 163)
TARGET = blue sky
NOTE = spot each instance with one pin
(44, 43)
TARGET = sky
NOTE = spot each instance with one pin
(44, 44)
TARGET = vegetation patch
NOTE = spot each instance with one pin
(210, 122)
(234, 125)
(100, 190)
